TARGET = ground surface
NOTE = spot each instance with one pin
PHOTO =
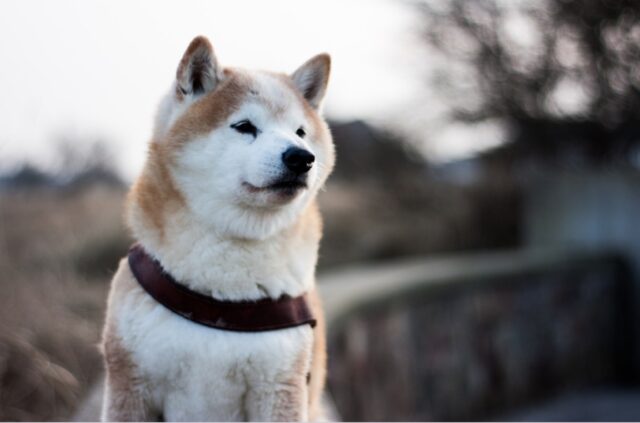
(607, 404)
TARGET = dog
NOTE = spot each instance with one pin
(225, 207)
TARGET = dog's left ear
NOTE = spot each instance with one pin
(312, 78)
(198, 71)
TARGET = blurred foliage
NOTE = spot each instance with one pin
(100, 256)
(384, 202)
(543, 68)
(57, 246)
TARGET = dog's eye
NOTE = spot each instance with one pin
(245, 127)
(301, 132)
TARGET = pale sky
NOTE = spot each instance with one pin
(96, 69)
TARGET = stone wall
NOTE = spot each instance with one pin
(471, 337)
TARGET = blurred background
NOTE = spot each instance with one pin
(481, 256)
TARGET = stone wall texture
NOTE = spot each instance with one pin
(476, 348)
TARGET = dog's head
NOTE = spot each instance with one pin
(244, 151)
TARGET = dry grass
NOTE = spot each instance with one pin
(57, 251)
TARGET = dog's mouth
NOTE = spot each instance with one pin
(283, 186)
(288, 184)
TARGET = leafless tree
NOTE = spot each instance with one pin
(556, 66)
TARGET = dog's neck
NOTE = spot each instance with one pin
(230, 268)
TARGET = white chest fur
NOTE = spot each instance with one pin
(193, 372)
(233, 269)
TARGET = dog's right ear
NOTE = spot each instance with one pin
(198, 72)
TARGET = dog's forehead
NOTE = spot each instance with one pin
(275, 92)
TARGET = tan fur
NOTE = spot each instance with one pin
(291, 393)
(208, 112)
(311, 223)
(124, 388)
(318, 359)
(155, 191)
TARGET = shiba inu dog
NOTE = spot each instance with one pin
(225, 207)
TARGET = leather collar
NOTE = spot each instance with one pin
(242, 316)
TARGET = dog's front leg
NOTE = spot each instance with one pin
(124, 405)
(125, 396)
(279, 401)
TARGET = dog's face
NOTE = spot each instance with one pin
(247, 151)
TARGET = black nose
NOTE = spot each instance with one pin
(298, 160)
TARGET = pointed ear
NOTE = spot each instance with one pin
(312, 77)
(198, 71)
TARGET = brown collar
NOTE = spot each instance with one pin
(242, 316)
